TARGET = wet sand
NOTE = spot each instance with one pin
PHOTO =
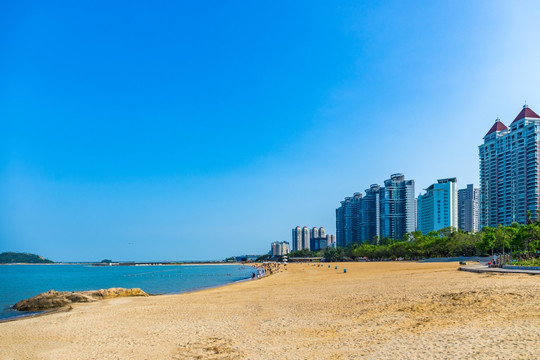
(375, 311)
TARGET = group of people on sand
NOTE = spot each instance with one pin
(265, 268)
(496, 262)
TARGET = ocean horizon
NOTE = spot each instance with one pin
(22, 281)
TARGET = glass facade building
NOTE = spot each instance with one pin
(388, 211)
(438, 207)
(398, 211)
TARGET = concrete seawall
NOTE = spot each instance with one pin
(486, 269)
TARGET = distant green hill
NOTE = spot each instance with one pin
(14, 257)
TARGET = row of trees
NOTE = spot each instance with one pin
(523, 241)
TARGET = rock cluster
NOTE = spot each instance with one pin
(56, 299)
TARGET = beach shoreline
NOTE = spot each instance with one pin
(375, 310)
(22, 315)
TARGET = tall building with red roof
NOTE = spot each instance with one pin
(510, 171)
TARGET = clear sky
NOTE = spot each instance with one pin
(178, 130)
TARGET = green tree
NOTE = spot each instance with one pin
(302, 253)
(264, 257)
(334, 254)
(488, 241)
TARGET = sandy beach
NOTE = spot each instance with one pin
(374, 311)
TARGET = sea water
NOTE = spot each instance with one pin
(18, 282)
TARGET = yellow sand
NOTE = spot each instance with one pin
(375, 310)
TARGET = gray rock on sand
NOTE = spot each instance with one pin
(56, 299)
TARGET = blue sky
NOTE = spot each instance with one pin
(199, 130)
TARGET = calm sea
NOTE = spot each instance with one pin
(19, 282)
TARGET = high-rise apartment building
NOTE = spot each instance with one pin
(311, 239)
(280, 248)
(296, 238)
(388, 211)
(352, 218)
(318, 243)
(305, 238)
(398, 212)
(438, 207)
(510, 171)
(314, 232)
(285, 248)
(276, 249)
(468, 209)
(370, 221)
(330, 240)
(300, 238)
(318, 239)
(348, 217)
(340, 224)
